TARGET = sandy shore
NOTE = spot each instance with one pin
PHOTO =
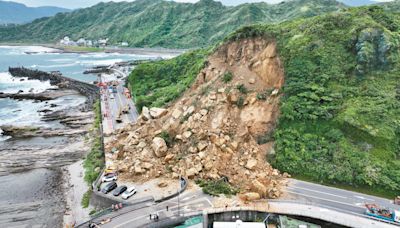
(75, 187)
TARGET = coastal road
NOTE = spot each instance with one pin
(112, 106)
(334, 198)
(189, 202)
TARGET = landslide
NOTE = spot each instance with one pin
(220, 127)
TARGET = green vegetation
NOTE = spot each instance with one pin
(264, 94)
(158, 23)
(167, 138)
(216, 187)
(240, 102)
(94, 161)
(156, 83)
(82, 49)
(227, 77)
(242, 89)
(86, 199)
(339, 120)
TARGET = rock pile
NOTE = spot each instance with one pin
(211, 132)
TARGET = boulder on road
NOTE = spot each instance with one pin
(159, 146)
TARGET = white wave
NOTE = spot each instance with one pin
(105, 62)
(10, 84)
(18, 50)
(57, 65)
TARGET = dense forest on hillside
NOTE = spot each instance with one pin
(154, 84)
(341, 107)
(158, 23)
(340, 111)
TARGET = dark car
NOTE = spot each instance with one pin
(118, 191)
(109, 187)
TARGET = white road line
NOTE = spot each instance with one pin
(310, 190)
(294, 181)
(315, 197)
(212, 205)
(363, 198)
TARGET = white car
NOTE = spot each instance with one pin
(109, 177)
(129, 192)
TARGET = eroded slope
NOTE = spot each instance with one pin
(215, 129)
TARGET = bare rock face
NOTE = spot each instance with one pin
(214, 126)
(156, 113)
(159, 146)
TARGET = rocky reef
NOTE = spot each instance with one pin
(56, 78)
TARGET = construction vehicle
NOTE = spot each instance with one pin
(376, 211)
(126, 108)
(119, 119)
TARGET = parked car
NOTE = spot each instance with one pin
(118, 191)
(109, 177)
(109, 187)
(129, 192)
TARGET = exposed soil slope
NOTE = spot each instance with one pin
(213, 129)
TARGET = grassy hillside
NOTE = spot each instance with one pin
(154, 84)
(149, 23)
(340, 115)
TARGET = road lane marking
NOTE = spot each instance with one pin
(318, 192)
(363, 198)
(181, 207)
(315, 197)
(212, 205)
(294, 181)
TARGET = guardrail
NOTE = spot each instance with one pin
(183, 186)
(335, 209)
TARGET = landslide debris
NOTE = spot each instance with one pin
(214, 129)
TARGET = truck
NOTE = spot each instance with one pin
(376, 211)
(126, 108)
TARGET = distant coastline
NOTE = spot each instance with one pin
(111, 49)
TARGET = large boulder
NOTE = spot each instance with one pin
(251, 163)
(159, 146)
(258, 187)
(156, 113)
(146, 113)
(250, 196)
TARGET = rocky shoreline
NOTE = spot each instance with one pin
(56, 78)
(49, 150)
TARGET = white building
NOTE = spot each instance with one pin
(81, 42)
(66, 41)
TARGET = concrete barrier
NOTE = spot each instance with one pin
(184, 183)
(344, 218)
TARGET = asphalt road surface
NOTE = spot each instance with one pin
(189, 202)
(334, 198)
(112, 106)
